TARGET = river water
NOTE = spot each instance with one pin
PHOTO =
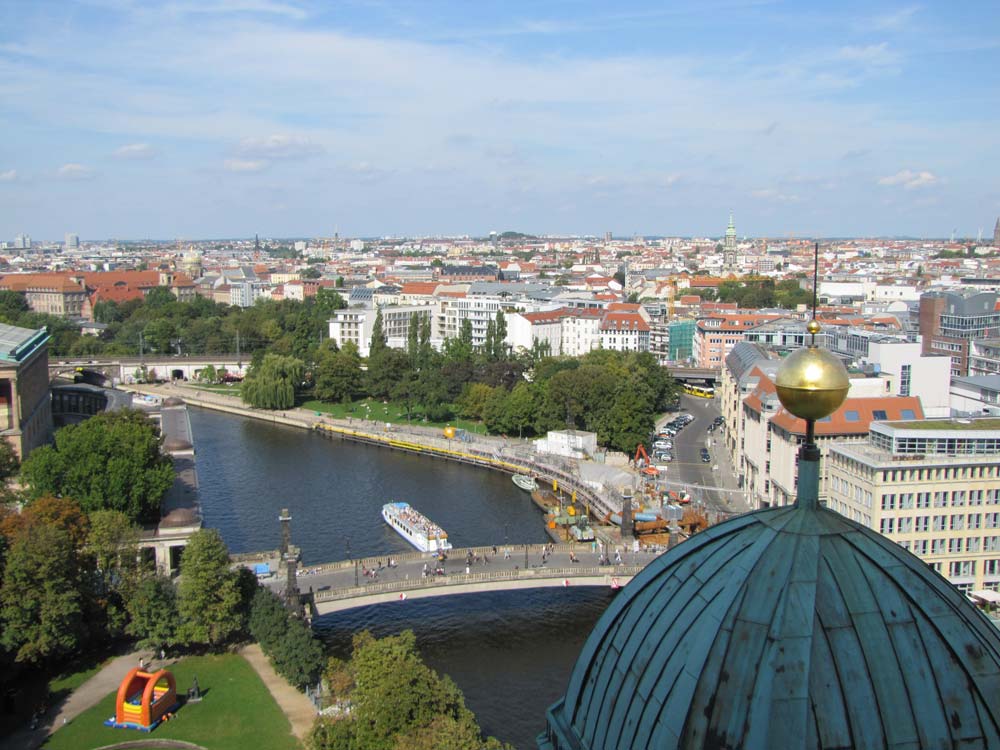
(510, 652)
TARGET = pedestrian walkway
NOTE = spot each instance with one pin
(297, 708)
(89, 694)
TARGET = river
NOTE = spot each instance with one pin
(510, 652)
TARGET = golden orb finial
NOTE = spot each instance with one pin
(812, 383)
(813, 327)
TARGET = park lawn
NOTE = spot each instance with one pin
(237, 712)
(228, 390)
(385, 412)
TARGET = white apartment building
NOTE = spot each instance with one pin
(625, 332)
(913, 374)
(355, 324)
(931, 486)
(246, 293)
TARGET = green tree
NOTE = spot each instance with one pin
(208, 597)
(385, 370)
(159, 296)
(268, 618)
(113, 545)
(41, 600)
(310, 273)
(153, 616)
(111, 461)
(12, 306)
(273, 384)
(298, 657)
(378, 343)
(208, 374)
(397, 697)
(472, 402)
(339, 375)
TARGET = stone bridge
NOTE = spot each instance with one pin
(358, 583)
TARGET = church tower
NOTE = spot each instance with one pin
(729, 246)
(996, 234)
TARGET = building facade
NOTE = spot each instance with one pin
(950, 321)
(25, 407)
(932, 487)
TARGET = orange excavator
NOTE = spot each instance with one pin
(649, 470)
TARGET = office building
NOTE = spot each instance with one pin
(950, 321)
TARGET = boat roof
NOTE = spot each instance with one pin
(399, 504)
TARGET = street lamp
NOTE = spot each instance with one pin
(526, 557)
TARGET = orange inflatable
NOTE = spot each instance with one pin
(144, 698)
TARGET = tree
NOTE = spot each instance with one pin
(311, 273)
(41, 600)
(208, 374)
(111, 461)
(289, 642)
(59, 512)
(397, 696)
(208, 597)
(274, 383)
(339, 375)
(12, 306)
(385, 370)
(153, 615)
(378, 343)
(472, 402)
(113, 546)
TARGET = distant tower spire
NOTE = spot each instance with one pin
(996, 234)
(729, 246)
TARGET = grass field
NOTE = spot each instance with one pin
(237, 712)
(380, 412)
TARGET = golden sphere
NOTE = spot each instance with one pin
(449, 432)
(812, 383)
(813, 327)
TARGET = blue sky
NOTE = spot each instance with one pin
(225, 118)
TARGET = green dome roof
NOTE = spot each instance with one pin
(792, 628)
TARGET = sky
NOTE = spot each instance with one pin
(202, 119)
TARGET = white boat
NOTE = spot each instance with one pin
(415, 527)
(526, 483)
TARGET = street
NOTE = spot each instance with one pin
(689, 472)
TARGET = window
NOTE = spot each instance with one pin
(954, 546)
(958, 498)
(904, 385)
(992, 520)
(879, 414)
(937, 547)
(972, 544)
(922, 524)
(907, 414)
(940, 522)
(851, 415)
(923, 499)
(887, 525)
(905, 525)
(991, 543)
(957, 522)
(920, 547)
(973, 520)
(961, 568)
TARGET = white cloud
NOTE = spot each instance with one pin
(74, 172)
(135, 151)
(244, 165)
(9, 176)
(279, 147)
(226, 7)
(910, 180)
(870, 55)
(892, 21)
(771, 194)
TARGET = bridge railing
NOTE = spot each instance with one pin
(456, 579)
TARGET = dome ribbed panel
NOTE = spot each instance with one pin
(785, 628)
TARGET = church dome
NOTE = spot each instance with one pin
(786, 628)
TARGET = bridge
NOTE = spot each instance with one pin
(348, 584)
(707, 375)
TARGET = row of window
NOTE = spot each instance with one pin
(939, 499)
(971, 545)
(924, 524)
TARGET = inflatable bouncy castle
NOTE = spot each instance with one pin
(143, 700)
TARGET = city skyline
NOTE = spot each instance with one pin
(218, 119)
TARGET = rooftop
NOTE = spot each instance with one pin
(17, 344)
(988, 423)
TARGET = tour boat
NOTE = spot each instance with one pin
(526, 483)
(415, 527)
